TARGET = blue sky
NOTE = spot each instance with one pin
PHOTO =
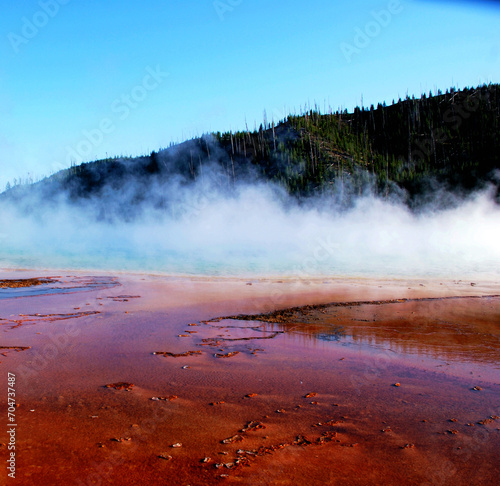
(83, 80)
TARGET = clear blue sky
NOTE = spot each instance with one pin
(98, 69)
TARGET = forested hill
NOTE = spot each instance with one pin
(449, 140)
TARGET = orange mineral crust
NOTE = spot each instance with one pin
(132, 379)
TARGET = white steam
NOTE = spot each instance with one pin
(256, 229)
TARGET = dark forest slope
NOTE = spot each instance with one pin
(450, 141)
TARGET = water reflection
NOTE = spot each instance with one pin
(334, 335)
(464, 329)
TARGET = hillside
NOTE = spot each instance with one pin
(413, 147)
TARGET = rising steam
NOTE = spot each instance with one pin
(210, 226)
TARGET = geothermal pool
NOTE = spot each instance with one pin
(260, 232)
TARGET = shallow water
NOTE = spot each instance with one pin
(321, 384)
(461, 335)
(60, 285)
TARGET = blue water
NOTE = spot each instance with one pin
(241, 262)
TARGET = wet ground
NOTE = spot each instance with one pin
(151, 380)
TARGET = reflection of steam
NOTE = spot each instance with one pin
(208, 225)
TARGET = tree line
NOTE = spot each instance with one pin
(450, 140)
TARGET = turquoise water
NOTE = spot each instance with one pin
(249, 262)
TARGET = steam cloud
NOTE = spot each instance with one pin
(210, 226)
